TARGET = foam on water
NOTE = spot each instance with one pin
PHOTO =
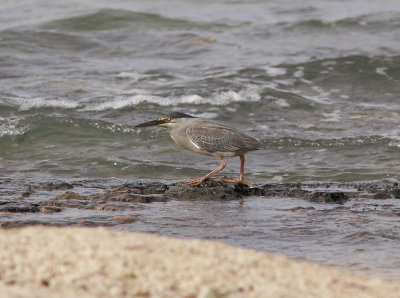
(379, 106)
(11, 127)
(275, 71)
(249, 94)
(280, 102)
(332, 117)
(26, 104)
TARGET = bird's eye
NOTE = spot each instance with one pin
(165, 119)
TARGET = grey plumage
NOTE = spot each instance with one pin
(215, 137)
(209, 138)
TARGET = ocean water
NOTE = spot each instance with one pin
(317, 82)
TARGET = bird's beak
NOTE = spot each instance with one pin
(150, 123)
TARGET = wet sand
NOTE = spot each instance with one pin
(97, 262)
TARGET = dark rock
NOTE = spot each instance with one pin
(26, 194)
(18, 207)
(212, 190)
(109, 207)
(337, 197)
(49, 209)
(208, 190)
(282, 190)
(381, 195)
(150, 199)
(396, 193)
(121, 194)
(297, 193)
(143, 188)
(300, 209)
(50, 186)
(126, 196)
(125, 219)
(69, 195)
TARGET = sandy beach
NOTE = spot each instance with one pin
(98, 262)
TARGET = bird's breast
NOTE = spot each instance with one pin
(180, 137)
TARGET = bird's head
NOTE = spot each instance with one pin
(168, 121)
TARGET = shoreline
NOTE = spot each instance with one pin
(60, 195)
(44, 261)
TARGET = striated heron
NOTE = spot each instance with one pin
(210, 138)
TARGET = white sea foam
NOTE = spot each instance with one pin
(381, 71)
(319, 100)
(298, 73)
(25, 104)
(394, 136)
(250, 94)
(11, 127)
(275, 71)
(207, 115)
(280, 102)
(119, 102)
(335, 116)
(131, 75)
(390, 107)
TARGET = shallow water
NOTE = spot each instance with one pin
(361, 233)
(317, 82)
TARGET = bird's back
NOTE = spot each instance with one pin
(218, 139)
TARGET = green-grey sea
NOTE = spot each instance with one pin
(317, 82)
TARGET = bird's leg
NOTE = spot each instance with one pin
(241, 177)
(209, 175)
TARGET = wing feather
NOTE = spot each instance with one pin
(215, 137)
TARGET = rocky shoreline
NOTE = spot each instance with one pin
(319, 192)
(39, 261)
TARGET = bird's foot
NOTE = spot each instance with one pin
(197, 182)
(236, 181)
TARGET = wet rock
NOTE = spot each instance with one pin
(19, 224)
(143, 188)
(381, 195)
(50, 186)
(18, 207)
(127, 196)
(109, 207)
(283, 190)
(149, 199)
(49, 209)
(212, 190)
(121, 194)
(5, 224)
(208, 190)
(69, 195)
(396, 193)
(380, 189)
(337, 197)
(111, 196)
(125, 219)
(300, 209)
(26, 193)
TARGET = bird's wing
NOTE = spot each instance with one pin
(216, 137)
